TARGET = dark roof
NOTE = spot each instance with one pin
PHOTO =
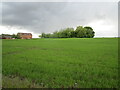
(25, 33)
(7, 35)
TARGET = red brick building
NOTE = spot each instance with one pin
(25, 35)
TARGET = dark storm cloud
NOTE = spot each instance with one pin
(50, 16)
(34, 16)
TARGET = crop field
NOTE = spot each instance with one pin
(60, 63)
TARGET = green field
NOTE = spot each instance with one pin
(61, 63)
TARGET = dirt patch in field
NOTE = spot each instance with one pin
(18, 82)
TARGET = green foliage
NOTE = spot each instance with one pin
(15, 36)
(89, 32)
(80, 32)
(40, 36)
(65, 62)
(43, 35)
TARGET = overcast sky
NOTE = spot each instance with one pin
(47, 17)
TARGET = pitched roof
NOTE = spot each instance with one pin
(25, 33)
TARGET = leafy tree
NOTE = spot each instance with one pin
(40, 36)
(15, 36)
(89, 32)
(43, 35)
(73, 34)
(47, 35)
(80, 32)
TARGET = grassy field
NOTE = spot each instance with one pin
(61, 63)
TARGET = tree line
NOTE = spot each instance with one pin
(80, 32)
(16, 36)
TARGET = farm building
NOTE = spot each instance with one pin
(25, 35)
(6, 36)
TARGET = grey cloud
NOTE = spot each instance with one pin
(50, 16)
